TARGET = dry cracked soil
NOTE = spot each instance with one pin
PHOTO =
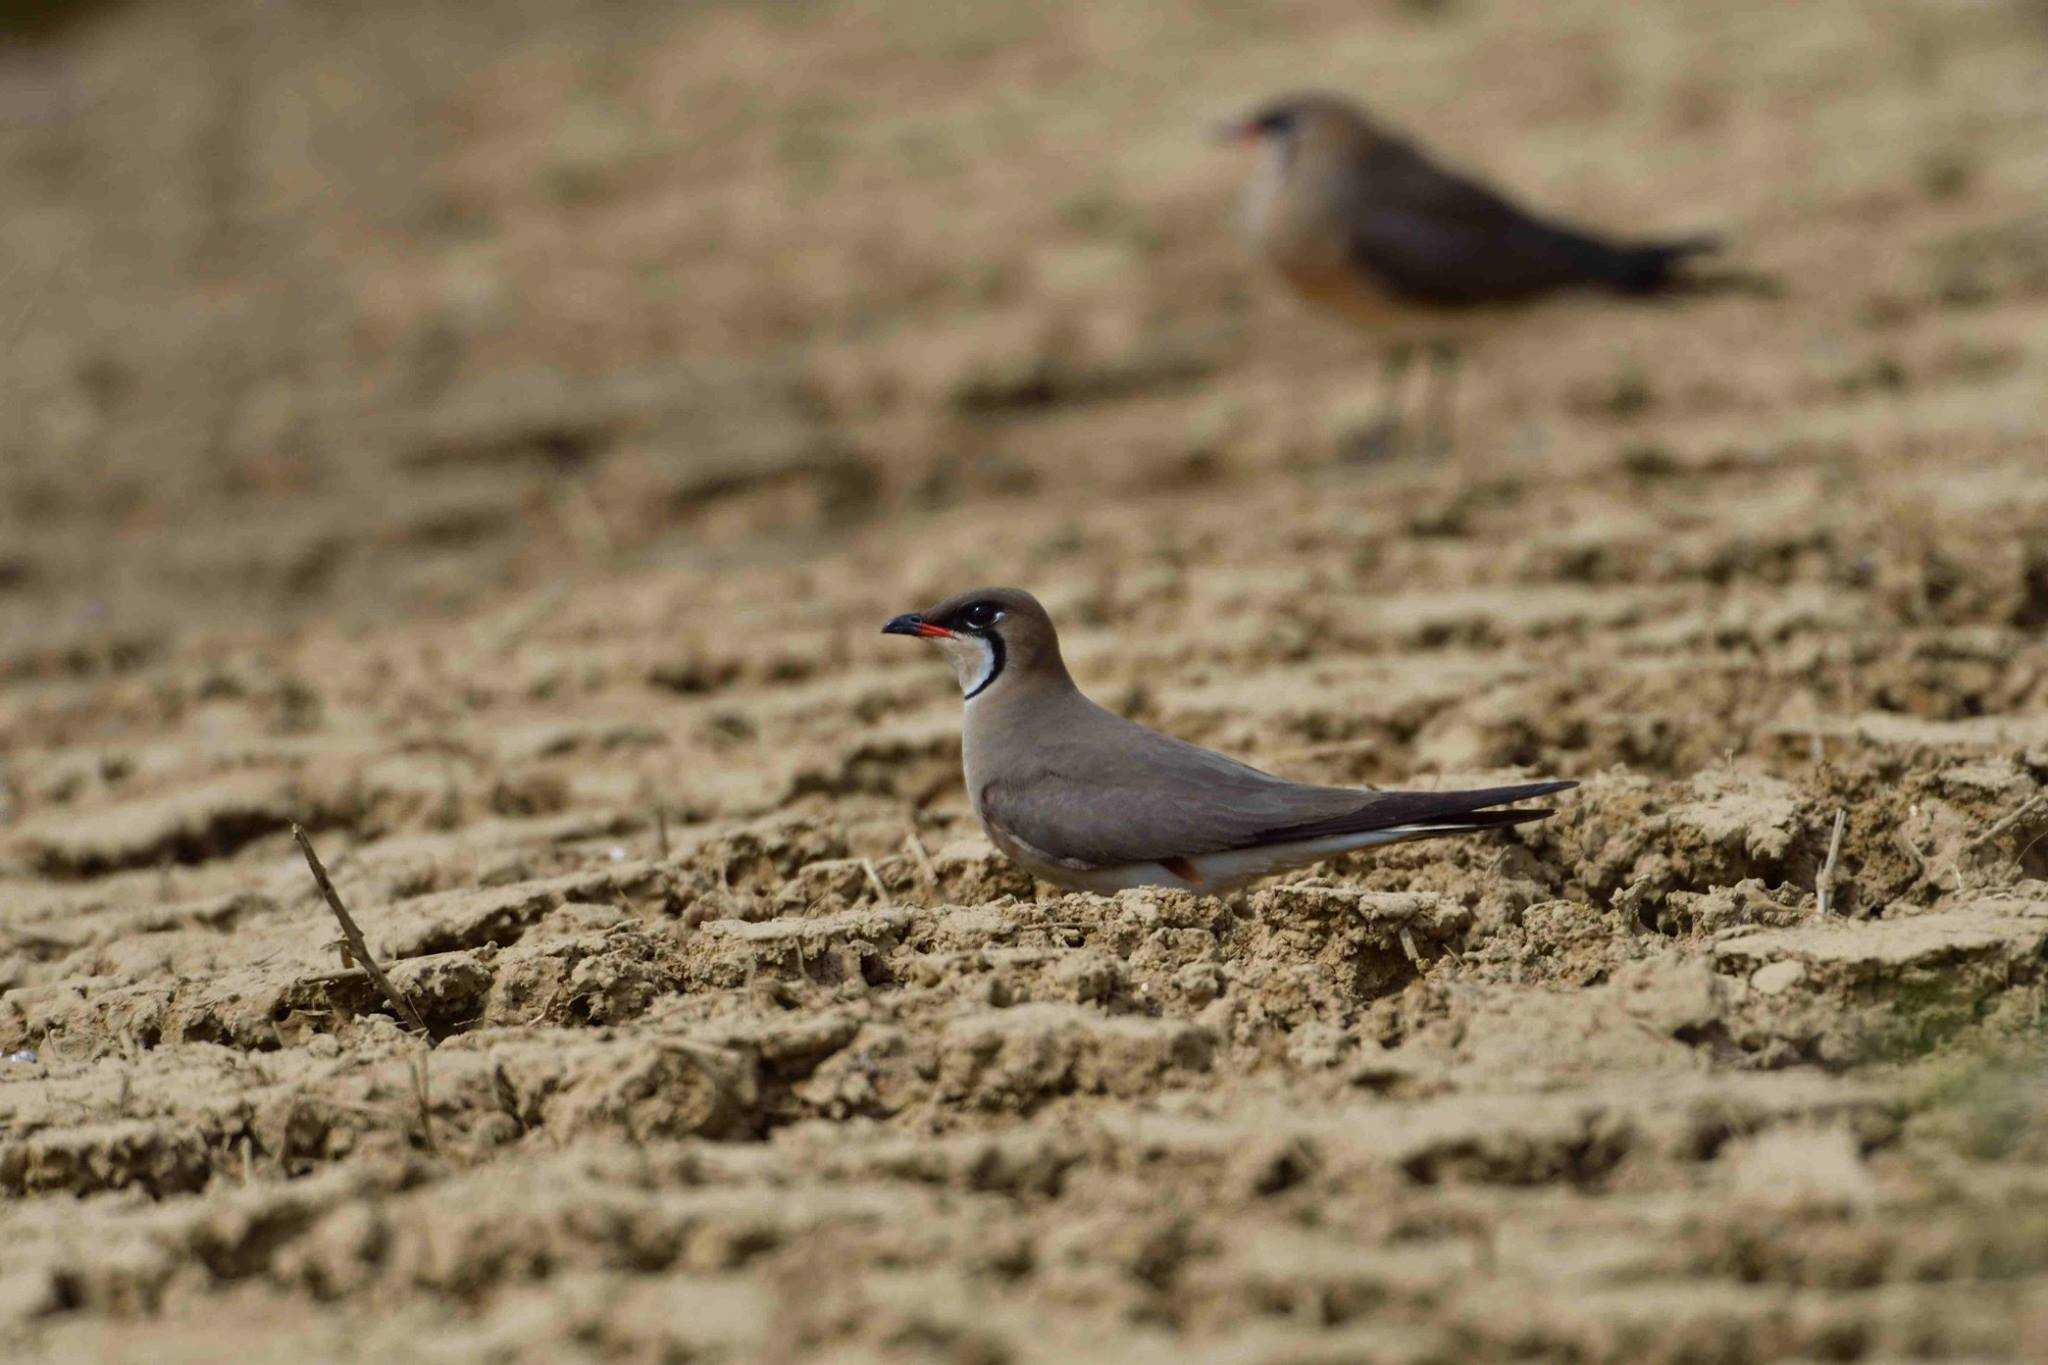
(490, 436)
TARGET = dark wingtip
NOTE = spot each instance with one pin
(1476, 820)
(1503, 812)
(1559, 784)
(1523, 815)
(1468, 809)
(1504, 796)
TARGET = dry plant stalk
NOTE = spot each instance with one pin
(924, 859)
(867, 865)
(2007, 822)
(1824, 884)
(423, 1098)
(354, 937)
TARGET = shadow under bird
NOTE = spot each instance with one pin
(1362, 223)
(1091, 801)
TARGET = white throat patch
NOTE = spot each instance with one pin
(973, 660)
(1269, 178)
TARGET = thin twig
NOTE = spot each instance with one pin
(358, 949)
(867, 865)
(330, 978)
(2020, 813)
(424, 1099)
(1911, 850)
(924, 859)
(536, 611)
(1824, 885)
(661, 829)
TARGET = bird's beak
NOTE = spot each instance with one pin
(910, 623)
(1235, 130)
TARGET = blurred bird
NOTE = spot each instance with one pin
(1090, 801)
(1362, 223)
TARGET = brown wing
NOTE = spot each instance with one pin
(1388, 810)
(1165, 798)
(1435, 236)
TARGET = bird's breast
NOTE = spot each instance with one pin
(1299, 236)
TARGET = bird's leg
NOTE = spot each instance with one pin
(1382, 435)
(1440, 397)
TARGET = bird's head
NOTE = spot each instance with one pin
(1309, 120)
(991, 636)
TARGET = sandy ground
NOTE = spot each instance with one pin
(493, 440)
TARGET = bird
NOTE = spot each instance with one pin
(1359, 221)
(1091, 801)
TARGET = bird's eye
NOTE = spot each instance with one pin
(980, 615)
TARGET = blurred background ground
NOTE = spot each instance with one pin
(493, 433)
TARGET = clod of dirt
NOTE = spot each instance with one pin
(1015, 1059)
(210, 820)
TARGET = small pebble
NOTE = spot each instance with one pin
(1775, 978)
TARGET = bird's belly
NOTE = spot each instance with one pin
(1357, 297)
(1234, 867)
(1107, 881)
(1073, 877)
(1351, 294)
(1205, 873)
(1341, 287)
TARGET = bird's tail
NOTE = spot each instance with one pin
(1652, 267)
(1414, 814)
(1455, 821)
(1463, 822)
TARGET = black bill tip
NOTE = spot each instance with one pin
(910, 623)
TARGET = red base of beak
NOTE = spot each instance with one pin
(912, 624)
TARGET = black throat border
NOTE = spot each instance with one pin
(998, 656)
